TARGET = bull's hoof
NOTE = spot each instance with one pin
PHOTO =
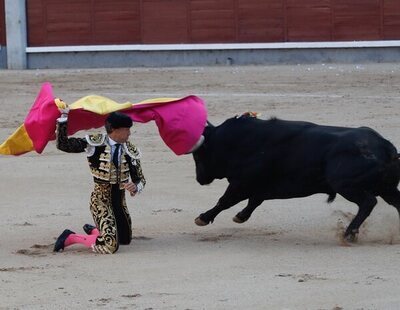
(199, 222)
(238, 219)
(351, 237)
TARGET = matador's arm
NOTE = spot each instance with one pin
(69, 145)
(135, 168)
(137, 176)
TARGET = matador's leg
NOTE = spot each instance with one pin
(104, 218)
(122, 217)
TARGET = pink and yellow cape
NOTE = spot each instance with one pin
(180, 121)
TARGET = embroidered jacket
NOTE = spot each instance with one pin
(98, 150)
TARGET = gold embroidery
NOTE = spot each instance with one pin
(105, 166)
(96, 139)
(102, 211)
(105, 156)
(106, 171)
(133, 151)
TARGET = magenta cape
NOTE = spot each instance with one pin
(180, 121)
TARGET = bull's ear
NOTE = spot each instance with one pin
(209, 124)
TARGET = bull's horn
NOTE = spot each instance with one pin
(197, 145)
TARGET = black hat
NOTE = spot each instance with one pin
(119, 120)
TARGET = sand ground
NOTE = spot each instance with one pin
(287, 256)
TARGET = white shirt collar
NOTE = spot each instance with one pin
(112, 142)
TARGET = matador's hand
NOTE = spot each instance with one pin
(62, 107)
(131, 188)
(64, 112)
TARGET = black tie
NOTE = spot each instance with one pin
(116, 155)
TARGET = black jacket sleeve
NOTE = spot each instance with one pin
(69, 145)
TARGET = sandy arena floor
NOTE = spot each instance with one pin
(287, 256)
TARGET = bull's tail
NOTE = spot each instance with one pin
(331, 197)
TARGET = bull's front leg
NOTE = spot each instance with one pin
(245, 214)
(233, 195)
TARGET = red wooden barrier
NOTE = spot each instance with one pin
(73, 22)
(2, 24)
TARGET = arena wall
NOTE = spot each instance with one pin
(93, 22)
(119, 33)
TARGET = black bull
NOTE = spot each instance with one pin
(278, 159)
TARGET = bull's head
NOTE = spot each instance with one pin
(202, 155)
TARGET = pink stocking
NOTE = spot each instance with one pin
(95, 231)
(86, 240)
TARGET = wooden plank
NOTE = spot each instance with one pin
(391, 6)
(56, 22)
(215, 5)
(212, 21)
(356, 20)
(391, 20)
(307, 3)
(366, 28)
(68, 23)
(116, 22)
(36, 23)
(308, 20)
(260, 21)
(309, 23)
(2, 24)
(165, 21)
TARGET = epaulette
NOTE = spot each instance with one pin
(96, 139)
(132, 150)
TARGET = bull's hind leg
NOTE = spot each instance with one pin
(366, 203)
(233, 195)
(245, 214)
(392, 198)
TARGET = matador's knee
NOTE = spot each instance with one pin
(104, 249)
